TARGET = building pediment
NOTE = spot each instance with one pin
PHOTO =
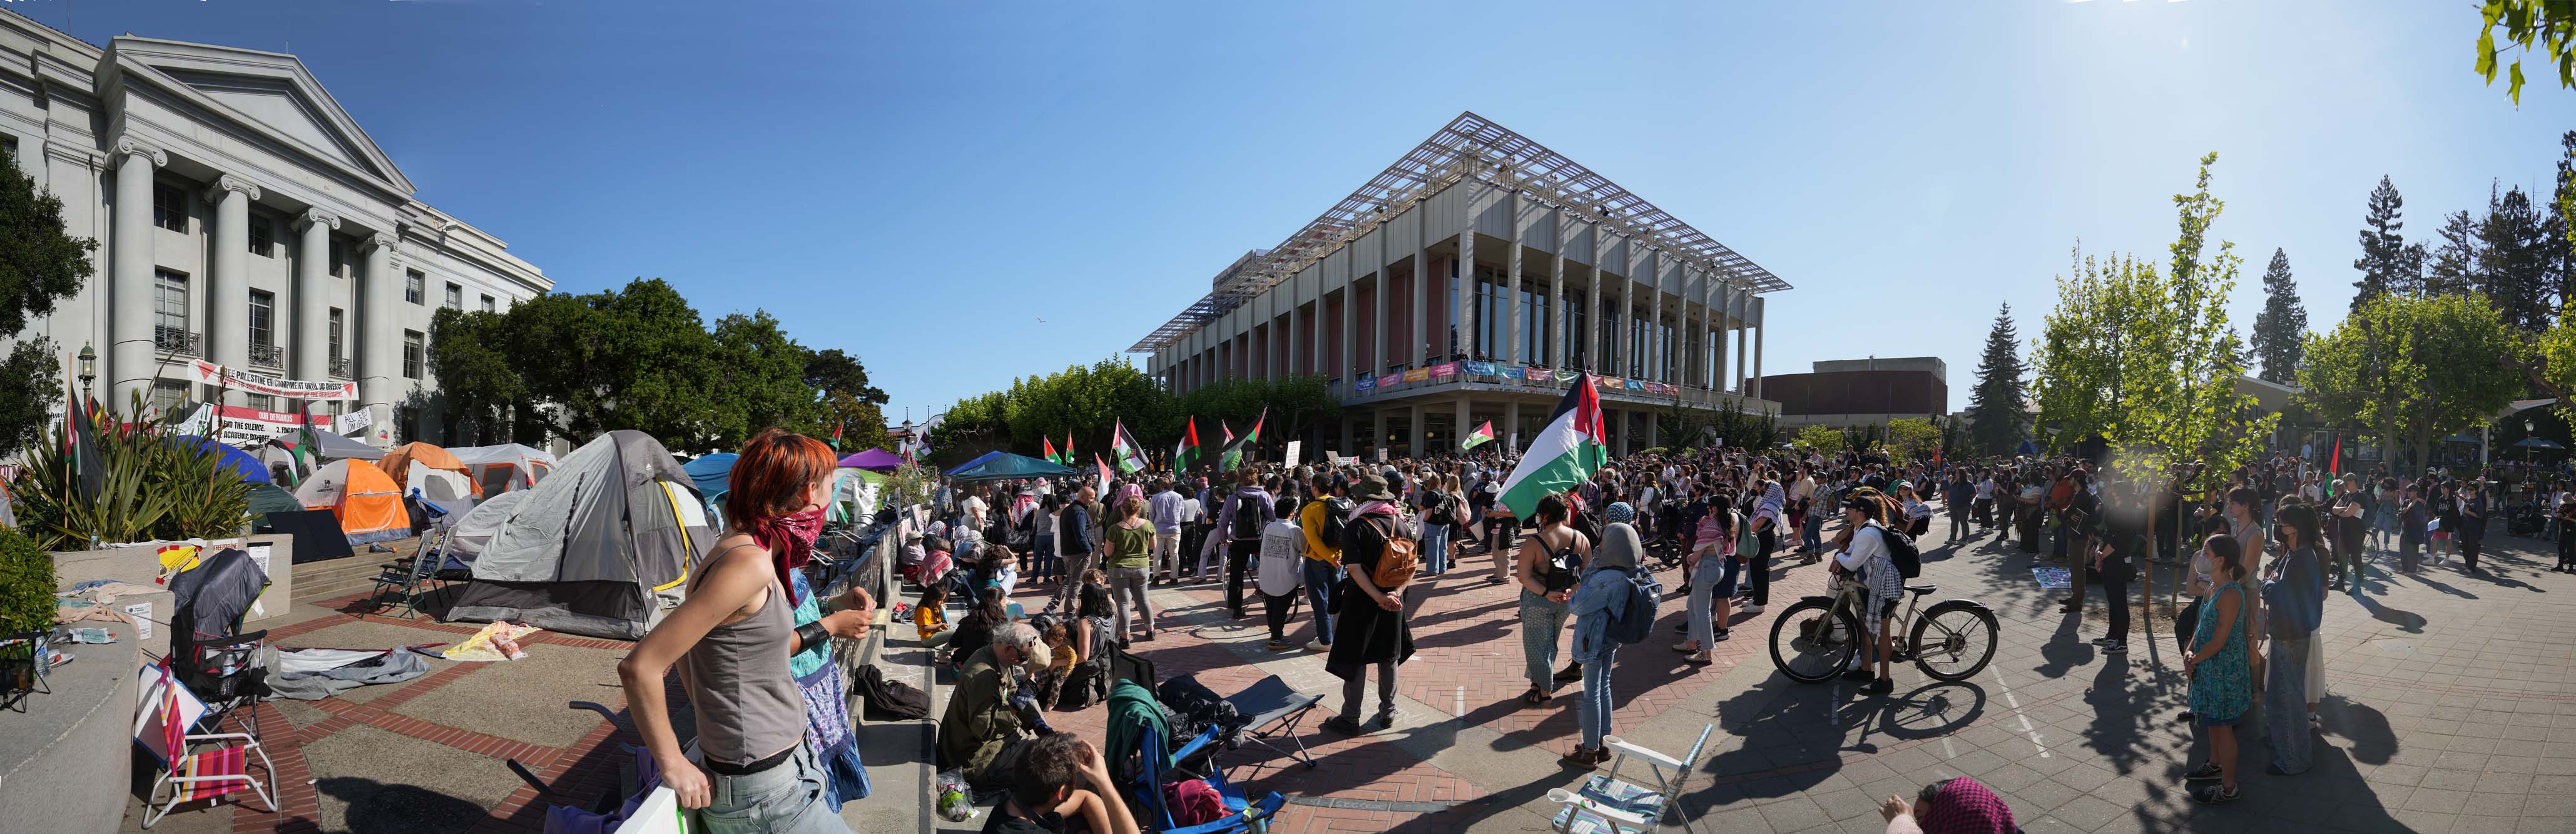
(268, 93)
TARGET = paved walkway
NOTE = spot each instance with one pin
(2451, 707)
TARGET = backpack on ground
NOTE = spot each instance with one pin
(1395, 565)
(1901, 550)
(890, 700)
(1198, 707)
(1247, 508)
(1637, 621)
(1337, 514)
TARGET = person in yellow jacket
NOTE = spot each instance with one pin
(1323, 565)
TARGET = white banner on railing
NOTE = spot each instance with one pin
(246, 427)
(353, 421)
(209, 373)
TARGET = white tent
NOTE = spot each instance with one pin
(505, 468)
(438, 485)
(472, 533)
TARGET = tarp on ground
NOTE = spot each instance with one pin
(251, 469)
(600, 548)
(365, 500)
(874, 460)
(440, 474)
(1003, 466)
(505, 467)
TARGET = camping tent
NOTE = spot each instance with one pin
(503, 468)
(267, 498)
(430, 469)
(252, 471)
(712, 473)
(337, 447)
(601, 548)
(874, 460)
(365, 500)
(472, 533)
(1003, 466)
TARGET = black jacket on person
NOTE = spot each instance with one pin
(1364, 634)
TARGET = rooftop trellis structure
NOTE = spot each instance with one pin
(1468, 146)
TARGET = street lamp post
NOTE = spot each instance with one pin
(88, 369)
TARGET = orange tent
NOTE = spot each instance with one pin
(397, 464)
(368, 504)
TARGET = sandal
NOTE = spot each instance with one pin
(1535, 696)
(2203, 773)
(1696, 659)
(2214, 794)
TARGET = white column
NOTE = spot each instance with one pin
(1511, 423)
(1350, 332)
(380, 339)
(1289, 352)
(1764, 330)
(228, 316)
(1657, 364)
(1513, 312)
(1419, 424)
(1462, 312)
(1592, 303)
(310, 356)
(1721, 381)
(1628, 343)
(1465, 408)
(1555, 355)
(1425, 284)
(130, 360)
(1741, 386)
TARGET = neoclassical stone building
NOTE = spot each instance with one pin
(243, 220)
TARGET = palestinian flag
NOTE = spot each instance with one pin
(1228, 439)
(308, 448)
(1232, 457)
(1104, 472)
(1131, 457)
(1482, 435)
(1047, 445)
(836, 437)
(1068, 448)
(1564, 453)
(80, 446)
(1186, 454)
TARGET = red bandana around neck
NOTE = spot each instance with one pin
(790, 540)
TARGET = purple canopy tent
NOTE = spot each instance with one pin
(873, 460)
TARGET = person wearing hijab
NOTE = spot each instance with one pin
(1951, 806)
(1599, 601)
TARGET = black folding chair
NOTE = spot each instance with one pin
(405, 582)
(1270, 708)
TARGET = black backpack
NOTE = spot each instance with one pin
(1247, 518)
(1901, 550)
(1438, 502)
(1337, 513)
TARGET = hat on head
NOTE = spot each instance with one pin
(1372, 488)
(1620, 511)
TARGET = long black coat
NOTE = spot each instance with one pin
(1363, 633)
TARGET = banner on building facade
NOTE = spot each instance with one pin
(1613, 383)
(1567, 375)
(1417, 375)
(1636, 385)
(243, 427)
(1444, 369)
(353, 421)
(198, 422)
(1480, 368)
(209, 373)
(1365, 384)
(1389, 380)
(1535, 372)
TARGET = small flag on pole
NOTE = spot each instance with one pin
(1130, 457)
(1482, 435)
(1232, 457)
(1104, 471)
(1186, 454)
(1047, 445)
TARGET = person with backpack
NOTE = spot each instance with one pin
(1714, 568)
(1246, 512)
(1866, 558)
(1502, 532)
(1378, 553)
(1549, 572)
(1321, 522)
(1608, 606)
(1433, 503)
(2293, 592)
(1078, 536)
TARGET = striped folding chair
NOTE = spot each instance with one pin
(193, 766)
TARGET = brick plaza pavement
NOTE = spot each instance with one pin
(2451, 707)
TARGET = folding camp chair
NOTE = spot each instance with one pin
(1607, 804)
(405, 582)
(1241, 814)
(190, 772)
(1270, 708)
(23, 677)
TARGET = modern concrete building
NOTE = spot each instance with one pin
(1568, 273)
(1849, 393)
(243, 219)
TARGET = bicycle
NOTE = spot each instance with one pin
(1817, 638)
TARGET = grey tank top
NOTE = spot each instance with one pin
(747, 702)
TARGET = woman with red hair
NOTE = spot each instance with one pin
(731, 640)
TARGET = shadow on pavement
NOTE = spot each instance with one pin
(378, 807)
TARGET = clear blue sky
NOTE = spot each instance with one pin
(919, 183)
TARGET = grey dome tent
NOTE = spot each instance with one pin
(602, 547)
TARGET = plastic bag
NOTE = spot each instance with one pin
(949, 791)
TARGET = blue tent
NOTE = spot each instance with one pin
(1003, 466)
(2027, 448)
(713, 474)
(252, 471)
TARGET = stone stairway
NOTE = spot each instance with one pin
(335, 578)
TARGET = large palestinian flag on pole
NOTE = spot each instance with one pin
(1104, 472)
(1066, 457)
(1564, 453)
(1186, 454)
(88, 469)
(1047, 446)
(1130, 457)
(1482, 435)
(1232, 457)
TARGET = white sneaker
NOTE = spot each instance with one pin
(1317, 646)
(1751, 608)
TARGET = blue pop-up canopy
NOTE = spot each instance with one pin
(252, 471)
(712, 473)
(1003, 466)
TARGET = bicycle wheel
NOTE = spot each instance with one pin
(1953, 640)
(1813, 641)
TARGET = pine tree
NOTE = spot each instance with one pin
(2515, 258)
(2282, 327)
(2455, 268)
(2387, 264)
(1996, 419)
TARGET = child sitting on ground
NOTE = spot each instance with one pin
(930, 616)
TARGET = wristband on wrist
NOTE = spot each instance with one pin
(813, 634)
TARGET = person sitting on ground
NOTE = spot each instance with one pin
(975, 631)
(1058, 636)
(1959, 805)
(1061, 784)
(980, 722)
(930, 614)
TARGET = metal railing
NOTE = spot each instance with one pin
(340, 367)
(174, 341)
(267, 356)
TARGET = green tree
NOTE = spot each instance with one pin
(758, 380)
(851, 403)
(2144, 360)
(1997, 408)
(2456, 266)
(2543, 27)
(2517, 261)
(39, 265)
(1820, 440)
(2387, 263)
(2415, 369)
(2282, 328)
(1912, 439)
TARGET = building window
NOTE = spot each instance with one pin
(168, 394)
(339, 255)
(170, 313)
(487, 305)
(169, 208)
(263, 328)
(263, 237)
(455, 297)
(336, 354)
(259, 401)
(412, 354)
(408, 422)
(414, 285)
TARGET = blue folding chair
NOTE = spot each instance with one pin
(1242, 814)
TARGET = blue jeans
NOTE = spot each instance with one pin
(1435, 549)
(1594, 714)
(1812, 534)
(788, 797)
(2285, 703)
(1320, 578)
(1042, 563)
(1541, 623)
(1711, 582)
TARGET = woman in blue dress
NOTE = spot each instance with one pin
(2220, 699)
